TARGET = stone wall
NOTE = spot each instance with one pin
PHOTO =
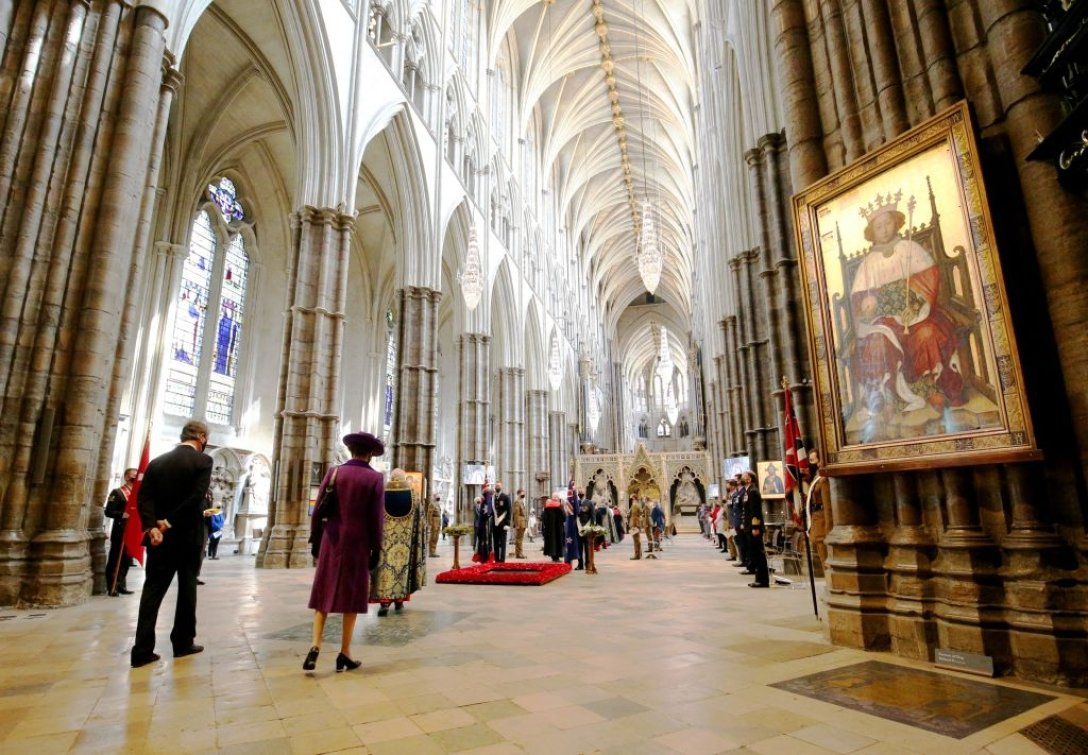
(986, 559)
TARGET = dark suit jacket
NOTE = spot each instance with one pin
(174, 487)
(753, 512)
(502, 506)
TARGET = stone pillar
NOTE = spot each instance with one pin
(510, 449)
(536, 423)
(910, 567)
(968, 590)
(1041, 586)
(126, 344)
(558, 451)
(308, 400)
(474, 437)
(856, 583)
(417, 373)
(697, 402)
(80, 95)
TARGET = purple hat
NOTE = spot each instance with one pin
(365, 443)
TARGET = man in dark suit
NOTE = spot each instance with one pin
(171, 506)
(753, 524)
(118, 562)
(501, 523)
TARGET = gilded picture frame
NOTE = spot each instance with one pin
(914, 358)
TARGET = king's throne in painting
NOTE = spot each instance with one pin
(908, 331)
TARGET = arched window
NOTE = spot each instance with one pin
(390, 372)
(202, 367)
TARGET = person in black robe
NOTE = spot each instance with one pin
(617, 518)
(484, 516)
(553, 530)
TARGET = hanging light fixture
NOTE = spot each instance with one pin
(471, 278)
(664, 357)
(555, 364)
(650, 260)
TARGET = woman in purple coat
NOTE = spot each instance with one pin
(352, 537)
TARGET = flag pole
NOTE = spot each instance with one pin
(792, 417)
(808, 550)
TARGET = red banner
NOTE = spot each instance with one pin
(134, 528)
(795, 459)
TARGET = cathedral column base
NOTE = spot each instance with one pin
(13, 553)
(911, 623)
(97, 547)
(276, 553)
(60, 569)
(857, 600)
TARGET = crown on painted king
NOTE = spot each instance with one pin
(883, 203)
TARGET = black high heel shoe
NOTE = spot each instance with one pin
(343, 663)
(311, 660)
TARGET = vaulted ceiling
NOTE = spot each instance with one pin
(562, 52)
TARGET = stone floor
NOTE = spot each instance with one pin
(673, 655)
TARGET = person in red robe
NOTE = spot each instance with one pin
(906, 343)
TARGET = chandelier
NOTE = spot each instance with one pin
(555, 364)
(649, 258)
(471, 279)
(664, 357)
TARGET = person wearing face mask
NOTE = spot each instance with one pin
(171, 506)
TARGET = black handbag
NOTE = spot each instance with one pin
(326, 507)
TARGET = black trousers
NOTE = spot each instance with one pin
(758, 560)
(742, 547)
(117, 552)
(213, 547)
(499, 536)
(163, 562)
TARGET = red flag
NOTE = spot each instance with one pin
(795, 460)
(134, 529)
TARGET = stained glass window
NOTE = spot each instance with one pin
(202, 367)
(226, 199)
(190, 309)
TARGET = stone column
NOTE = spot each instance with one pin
(536, 423)
(417, 372)
(1041, 584)
(857, 598)
(968, 590)
(126, 346)
(910, 566)
(557, 449)
(795, 70)
(510, 450)
(80, 98)
(697, 402)
(475, 406)
(308, 401)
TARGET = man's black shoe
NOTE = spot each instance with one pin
(191, 650)
(200, 581)
(123, 591)
(757, 584)
(144, 660)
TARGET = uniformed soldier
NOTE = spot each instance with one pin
(753, 523)
(519, 524)
(638, 521)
